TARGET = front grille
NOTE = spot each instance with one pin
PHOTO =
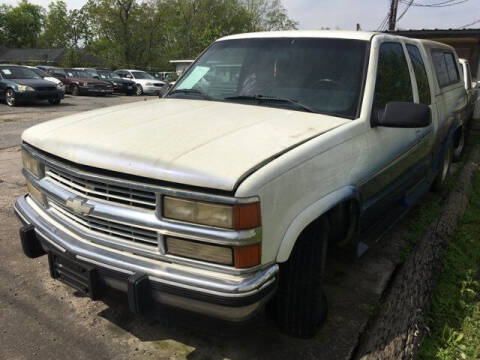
(107, 227)
(45, 88)
(103, 191)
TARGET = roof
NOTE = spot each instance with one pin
(21, 55)
(438, 33)
(337, 34)
(181, 61)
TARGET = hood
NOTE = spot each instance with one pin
(201, 143)
(32, 82)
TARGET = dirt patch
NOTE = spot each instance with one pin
(396, 331)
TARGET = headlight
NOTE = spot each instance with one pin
(149, 84)
(238, 217)
(23, 88)
(85, 84)
(35, 193)
(60, 86)
(32, 164)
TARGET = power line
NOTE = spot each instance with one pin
(405, 10)
(445, 3)
(467, 25)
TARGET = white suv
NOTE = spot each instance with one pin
(145, 83)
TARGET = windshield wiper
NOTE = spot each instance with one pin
(261, 98)
(191, 91)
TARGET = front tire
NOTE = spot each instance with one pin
(300, 307)
(10, 98)
(139, 90)
(74, 90)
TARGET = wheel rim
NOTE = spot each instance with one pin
(139, 90)
(446, 163)
(460, 143)
(75, 91)
(10, 98)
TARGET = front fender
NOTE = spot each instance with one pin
(308, 215)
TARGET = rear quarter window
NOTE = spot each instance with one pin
(445, 67)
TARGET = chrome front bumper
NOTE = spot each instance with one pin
(232, 297)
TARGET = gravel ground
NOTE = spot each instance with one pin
(13, 120)
(45, 319)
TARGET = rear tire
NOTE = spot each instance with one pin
(300, 306)
(441, 178)
(459, 144)
(54, 101)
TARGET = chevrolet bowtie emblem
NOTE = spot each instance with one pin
(79, 206)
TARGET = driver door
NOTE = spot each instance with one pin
(391, 150)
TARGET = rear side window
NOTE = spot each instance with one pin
(420, 75)
(469, 77)
(452, 68)
(445, 67)
(393, 77)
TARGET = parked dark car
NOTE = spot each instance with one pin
(119, 85)
(19, 83)
(78, 82)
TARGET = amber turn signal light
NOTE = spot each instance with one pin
(246, 216)
(247, 256)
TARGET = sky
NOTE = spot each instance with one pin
(345, 14)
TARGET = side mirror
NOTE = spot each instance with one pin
(403, 115)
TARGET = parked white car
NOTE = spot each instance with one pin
(146, 83)
(273, 151)
(471, 101)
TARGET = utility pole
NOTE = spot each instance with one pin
(393, 15)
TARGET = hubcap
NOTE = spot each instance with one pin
(460, 143)
(10, 98)
(139, 90)
(446, 163)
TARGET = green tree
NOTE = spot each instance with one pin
(22, 24)
(57, 26)
(269, 15)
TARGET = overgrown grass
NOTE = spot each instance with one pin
(454, 319)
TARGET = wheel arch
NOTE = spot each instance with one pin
(312, 213)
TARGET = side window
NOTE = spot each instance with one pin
(445, 67)
(420, 74)
(393, 77)
(469, 77)
(452, 68)
(440, 68)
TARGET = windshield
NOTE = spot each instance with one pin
(325, 75)
(141, 75)
(39, 72)
(77, 73)
(108, 75)
(91, 72)
(16, 72)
